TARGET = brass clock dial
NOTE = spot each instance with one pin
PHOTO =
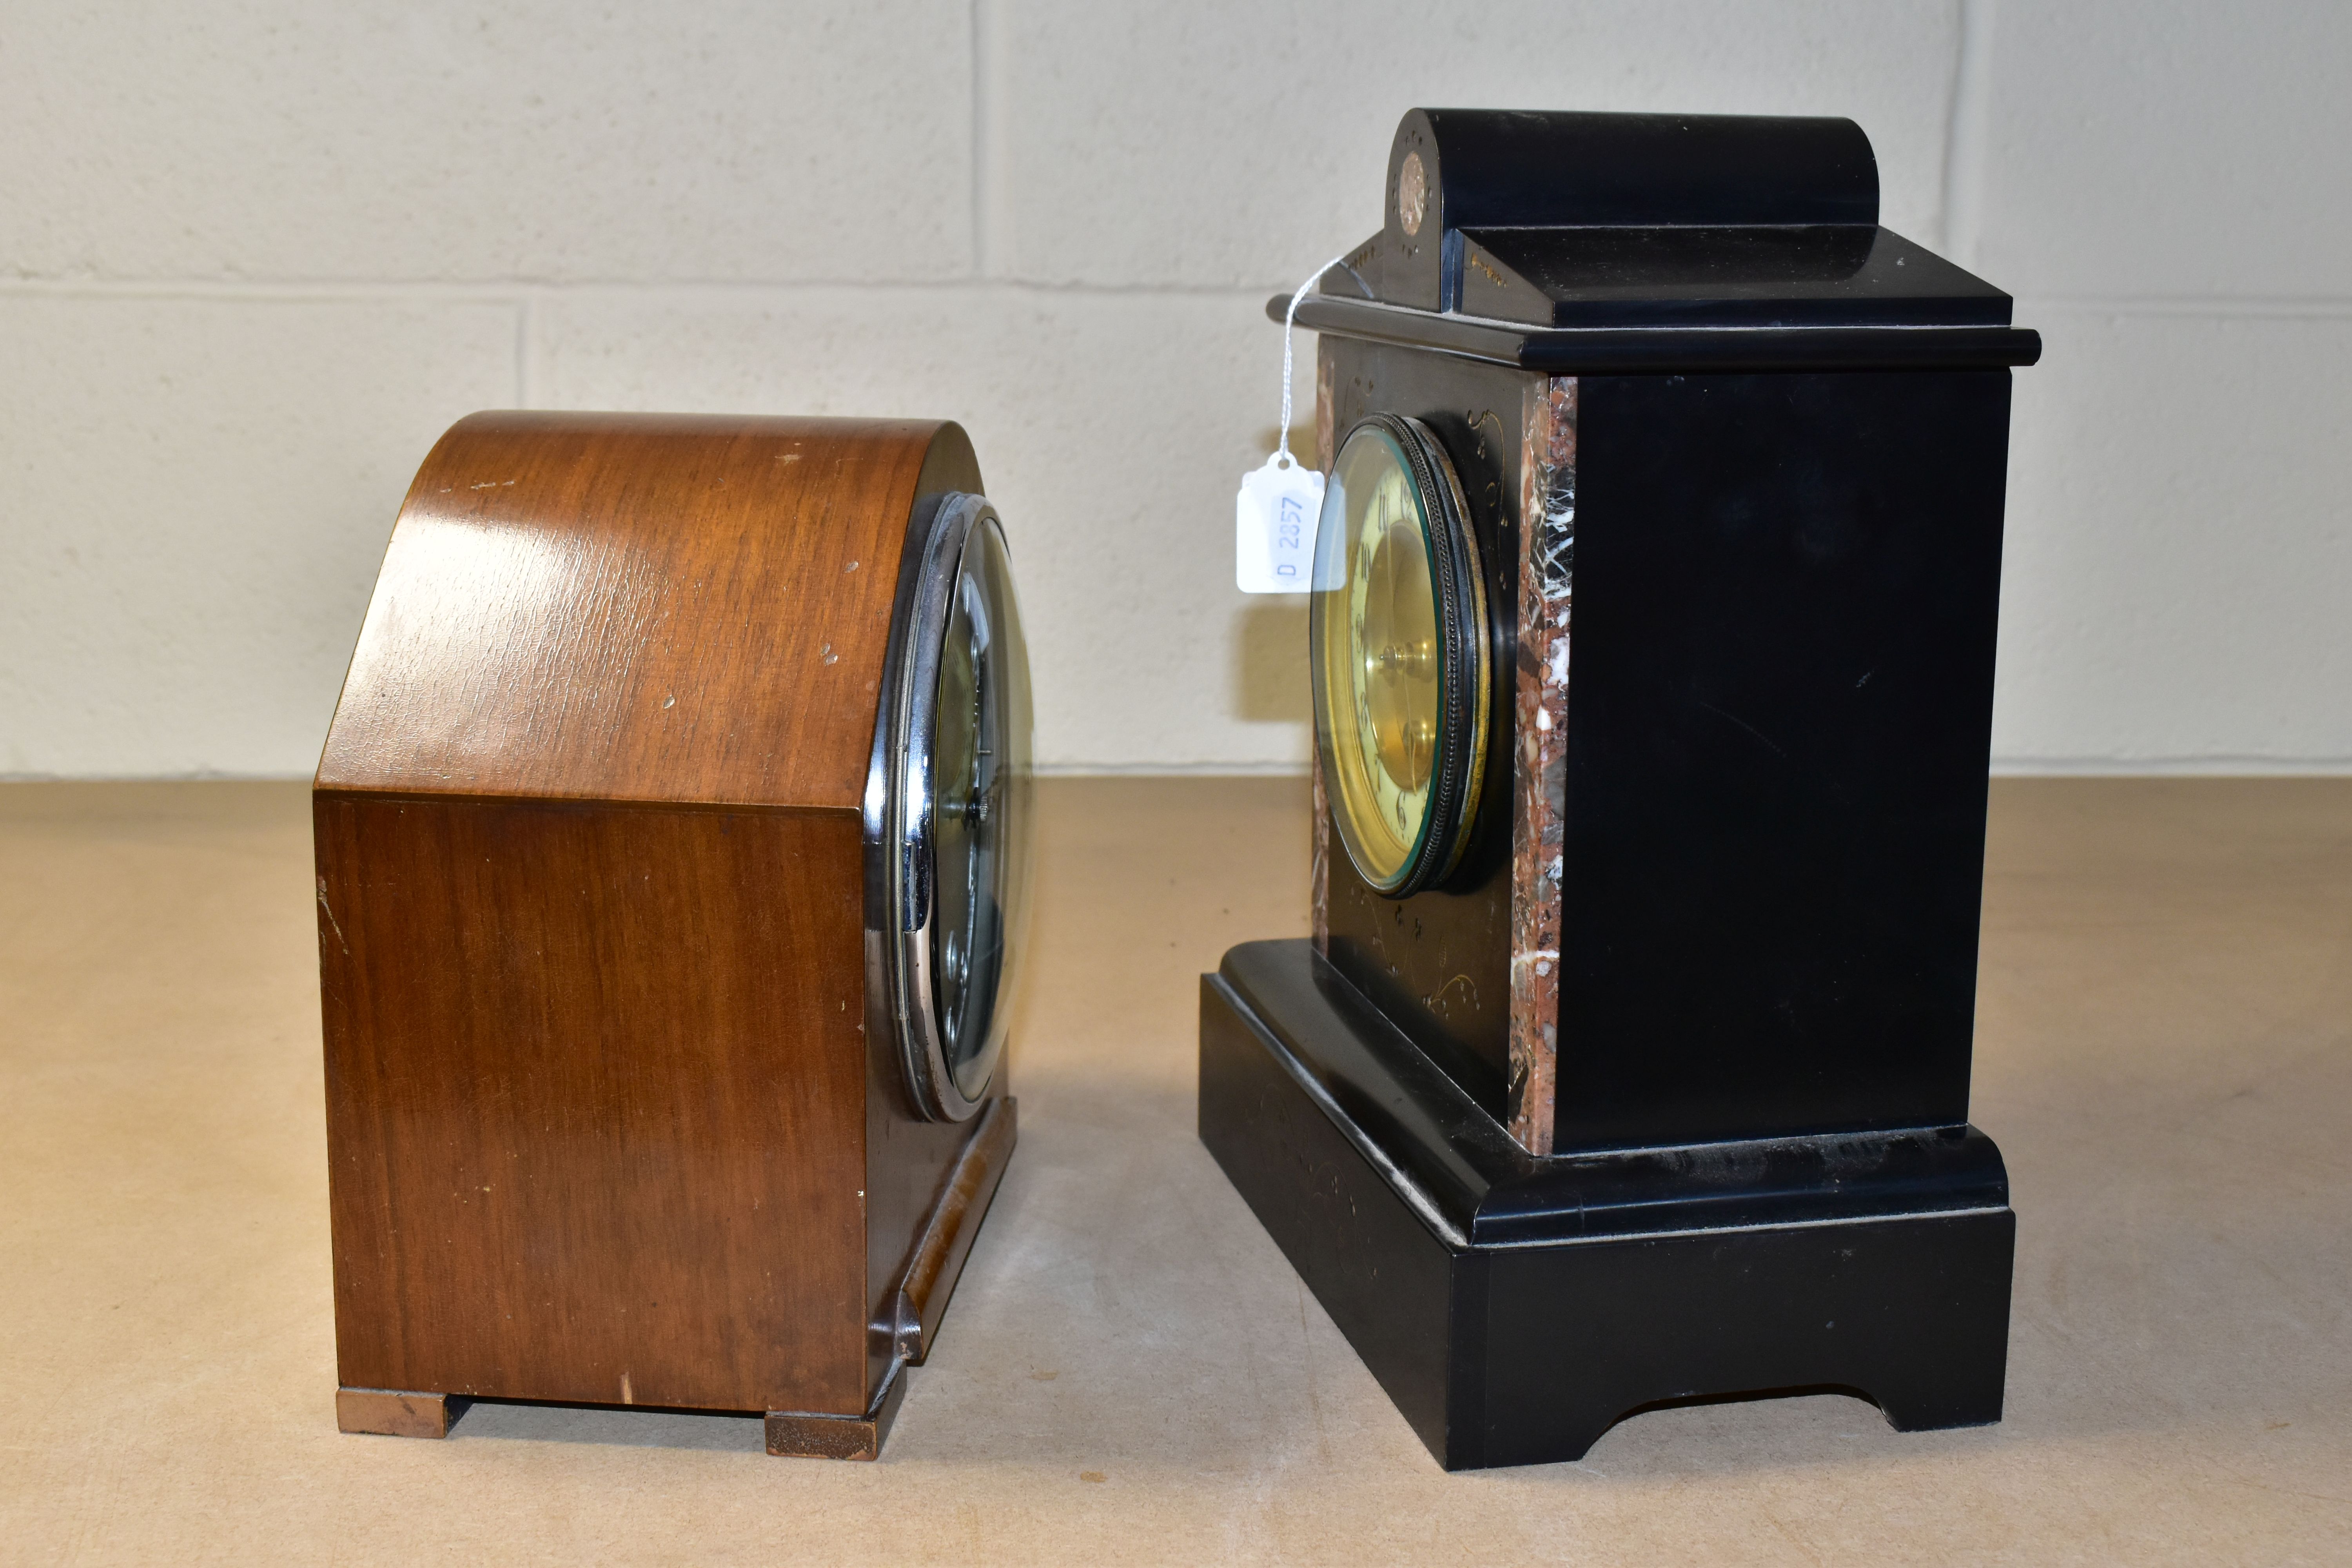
(1399, 632)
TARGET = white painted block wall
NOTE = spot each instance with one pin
(254, 257)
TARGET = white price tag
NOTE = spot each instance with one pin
(1279, 504)
(1274, 526)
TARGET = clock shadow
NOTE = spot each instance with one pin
(614, 1425)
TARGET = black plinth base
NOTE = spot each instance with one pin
(1516, 1307)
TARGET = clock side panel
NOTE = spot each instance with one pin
(595, 1094)
(1438, 963)
(1780, 723)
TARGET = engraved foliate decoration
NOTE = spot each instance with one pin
(1412, 193)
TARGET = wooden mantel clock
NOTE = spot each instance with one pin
(1652, 652)
(672, 843)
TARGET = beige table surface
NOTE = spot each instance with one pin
(1130, 1370)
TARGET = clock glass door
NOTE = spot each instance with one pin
(980, 810)
(948, 804)
(1399, 633)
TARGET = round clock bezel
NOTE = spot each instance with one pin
(1464, 696)
(901, 938)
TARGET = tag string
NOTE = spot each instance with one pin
(1282, 454)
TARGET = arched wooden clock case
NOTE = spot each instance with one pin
(671, 839)
(1628, 1062)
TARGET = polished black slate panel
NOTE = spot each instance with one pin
(1509, 168)
(1775, 277)
(1439, 961)
(1491, 1192)
(1596, 1286)
(1911, 1314)
(1779, 716)
(1386, 1280)
(1568, 166)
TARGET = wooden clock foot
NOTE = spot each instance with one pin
(795, 1435)
(392, 1413)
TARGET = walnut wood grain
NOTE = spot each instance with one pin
(389, 1412)
(799, 1434)
(939, 1254)
(910, 1163)
(594, 1090)
(638, 607)
(612, 1116)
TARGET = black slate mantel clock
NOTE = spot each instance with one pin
(1652, 648)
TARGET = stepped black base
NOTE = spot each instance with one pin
(1516, 1307)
